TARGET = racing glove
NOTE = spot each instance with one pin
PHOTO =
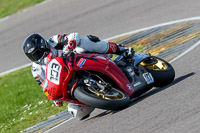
(70, 46)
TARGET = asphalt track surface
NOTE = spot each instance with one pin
(174, 108)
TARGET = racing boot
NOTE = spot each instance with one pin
(126, 52)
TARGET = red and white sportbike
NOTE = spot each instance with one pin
(98, 81)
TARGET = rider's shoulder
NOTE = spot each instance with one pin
(53, 40)
(35, 65)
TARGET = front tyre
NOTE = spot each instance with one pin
(112, 99)
(162, 72)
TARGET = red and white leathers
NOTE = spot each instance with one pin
(59, 44)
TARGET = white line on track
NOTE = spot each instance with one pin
(58, 125)
(155, 26)
(185, 52)
(15, 69)
(143, 29)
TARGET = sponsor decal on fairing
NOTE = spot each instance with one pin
(129, 86)
(81, 62)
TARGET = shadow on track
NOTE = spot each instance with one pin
(147, 94)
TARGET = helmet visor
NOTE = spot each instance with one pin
(36, 56)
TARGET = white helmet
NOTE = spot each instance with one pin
(78, 111)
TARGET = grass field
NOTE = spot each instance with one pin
(22, 101)
(8, 7)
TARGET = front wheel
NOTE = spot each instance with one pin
(162, 72)
(112, 99)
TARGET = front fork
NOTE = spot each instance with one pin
(97, 85)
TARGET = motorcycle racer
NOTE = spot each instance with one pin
(37, 48)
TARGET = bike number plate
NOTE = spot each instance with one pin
(148, 77)
(53, 72)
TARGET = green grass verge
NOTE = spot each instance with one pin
(22, 101)
(8, 7)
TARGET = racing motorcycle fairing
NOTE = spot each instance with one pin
(59, 72)
(55, 83)
(55, 75)
(102, 63)
(97, 81)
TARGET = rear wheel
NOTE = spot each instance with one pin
(162, 72)
(109, 99)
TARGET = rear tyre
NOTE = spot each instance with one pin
(113, 99)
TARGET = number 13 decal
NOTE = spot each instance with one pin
(53, 73)
(55, 68)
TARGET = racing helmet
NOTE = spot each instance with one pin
(79, 112)
(35, 47)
